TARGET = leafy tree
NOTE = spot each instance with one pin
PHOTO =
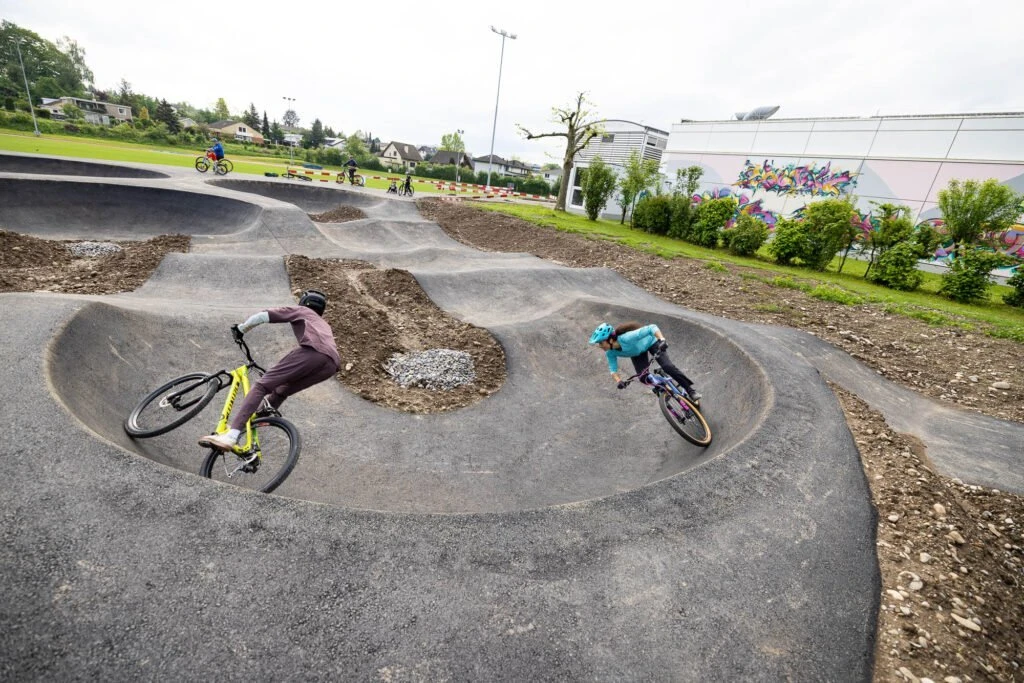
(43, 60)
(291, 119)
(356, 148)
(1016, 297)
(897, 268)
(452, 142)
(76, 54)
(72, 111)
(829, 226)
(639, 175)
(124, 93)
(265, 128)
(598, 185)
(688, 180)
(316, 135)
(969, 276)
(894, 227)
(165, 114)
(580, 129)
(276, 134)
(746, 236)
(971, 209)
(221, 110)
(790, 241)
(712, 215)
(329, 132)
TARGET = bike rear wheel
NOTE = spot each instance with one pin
(202, 164)
(685, 418)
(172, 405)
(276, 446)
(228, 164)
(220, 168)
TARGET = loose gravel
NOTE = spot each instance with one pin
(436, 369)
(93, 249)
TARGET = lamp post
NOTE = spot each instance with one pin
(291, 145)
(458, 159)
(501, 61)
(17, 44)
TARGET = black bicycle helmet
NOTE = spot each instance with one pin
(314, 299)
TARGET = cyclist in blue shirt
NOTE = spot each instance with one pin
(217, 149)
(639, 343)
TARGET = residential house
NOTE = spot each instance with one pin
(293, 139)
(400, 155)
(498, 167)
(614, 146)
(427, 151)
(448, 158)
(186, 122)
(101, 113)
(550, 175)
(236, 130)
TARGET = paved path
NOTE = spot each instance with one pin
(557, 530)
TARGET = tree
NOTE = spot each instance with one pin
(72, 112)
(43, 60)
(639, 175)
(316, 135)
(221, 110)
(356, 148)
(265, 128)
(687, 181)
(76, 54)
(144, 114)
(251, 117)
(598, 185)
(580, 129)
(165, 114)
(971, 209)
(829, 224)
(452, 142)
(894, 227)
(276, 134)
(291, 119)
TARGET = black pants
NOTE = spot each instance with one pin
(641, 361)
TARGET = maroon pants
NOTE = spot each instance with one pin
(300, 369)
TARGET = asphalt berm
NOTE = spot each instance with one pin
(543, 526)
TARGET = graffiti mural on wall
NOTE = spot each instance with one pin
(794, 179)
(1009, 242)
(744, 204)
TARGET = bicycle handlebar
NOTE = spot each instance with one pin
(239, 338)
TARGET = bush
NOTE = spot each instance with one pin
(968, 278)
(790, 241)
(9, 103)
(653, 214)
(711, 217)
(897, 268)
(1016, 297)
(746, 236)
(598, 186)
(682, 215)
(829, 229)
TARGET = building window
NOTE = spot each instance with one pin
(610, 137)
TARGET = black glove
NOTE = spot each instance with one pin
(236, 333)
(659, 347)
(622, 384)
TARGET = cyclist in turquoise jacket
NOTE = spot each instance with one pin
(639, 343)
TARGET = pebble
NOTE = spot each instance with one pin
(93, 249)
(435, 369)
(940, 509)
(1001, 385)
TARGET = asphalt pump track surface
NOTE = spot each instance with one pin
(557, 530)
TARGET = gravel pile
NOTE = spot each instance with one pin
(436, 369)
(93, 249)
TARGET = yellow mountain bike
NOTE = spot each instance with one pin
(261, 461)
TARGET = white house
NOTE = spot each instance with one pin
(400, 155)
(499, 167)
(619, 140)
(94, 112)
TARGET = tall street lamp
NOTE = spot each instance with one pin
(458, 159)
(17, 44)
(291, 145)
(494, 127)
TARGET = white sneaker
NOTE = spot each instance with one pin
(222, 442)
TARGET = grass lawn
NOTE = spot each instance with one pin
(848, 286)
(164, 155)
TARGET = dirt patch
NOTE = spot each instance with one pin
(31, 264)
(340, 214)
(381, 312)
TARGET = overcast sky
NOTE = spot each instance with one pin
(412, 71)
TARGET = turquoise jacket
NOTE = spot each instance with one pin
(633, 344)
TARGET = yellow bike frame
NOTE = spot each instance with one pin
(239, 378)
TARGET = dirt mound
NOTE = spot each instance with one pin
(338, 215)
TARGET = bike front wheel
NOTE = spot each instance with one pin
(685, 418)
(202, 164)
(275, 452)
(172, 405)
(228, 164)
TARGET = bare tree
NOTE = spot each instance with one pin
(580, 129)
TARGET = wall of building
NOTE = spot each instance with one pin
(775, 168)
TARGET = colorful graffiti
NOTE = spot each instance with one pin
(791, 180)
(744, 204)
(1009, 242)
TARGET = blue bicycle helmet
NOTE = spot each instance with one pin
(602, 333)
(314, 299)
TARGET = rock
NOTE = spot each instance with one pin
(895, 595)
(909, 676)
(1001, 385)
(966, 623)
(955, 537)
(926, 558)
(894, 517)
(940, 509)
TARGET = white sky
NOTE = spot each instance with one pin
(412, 71)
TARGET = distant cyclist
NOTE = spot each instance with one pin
(217, 150)
(640, 344)
(315, 360)
(351, 165)
(407, 186)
